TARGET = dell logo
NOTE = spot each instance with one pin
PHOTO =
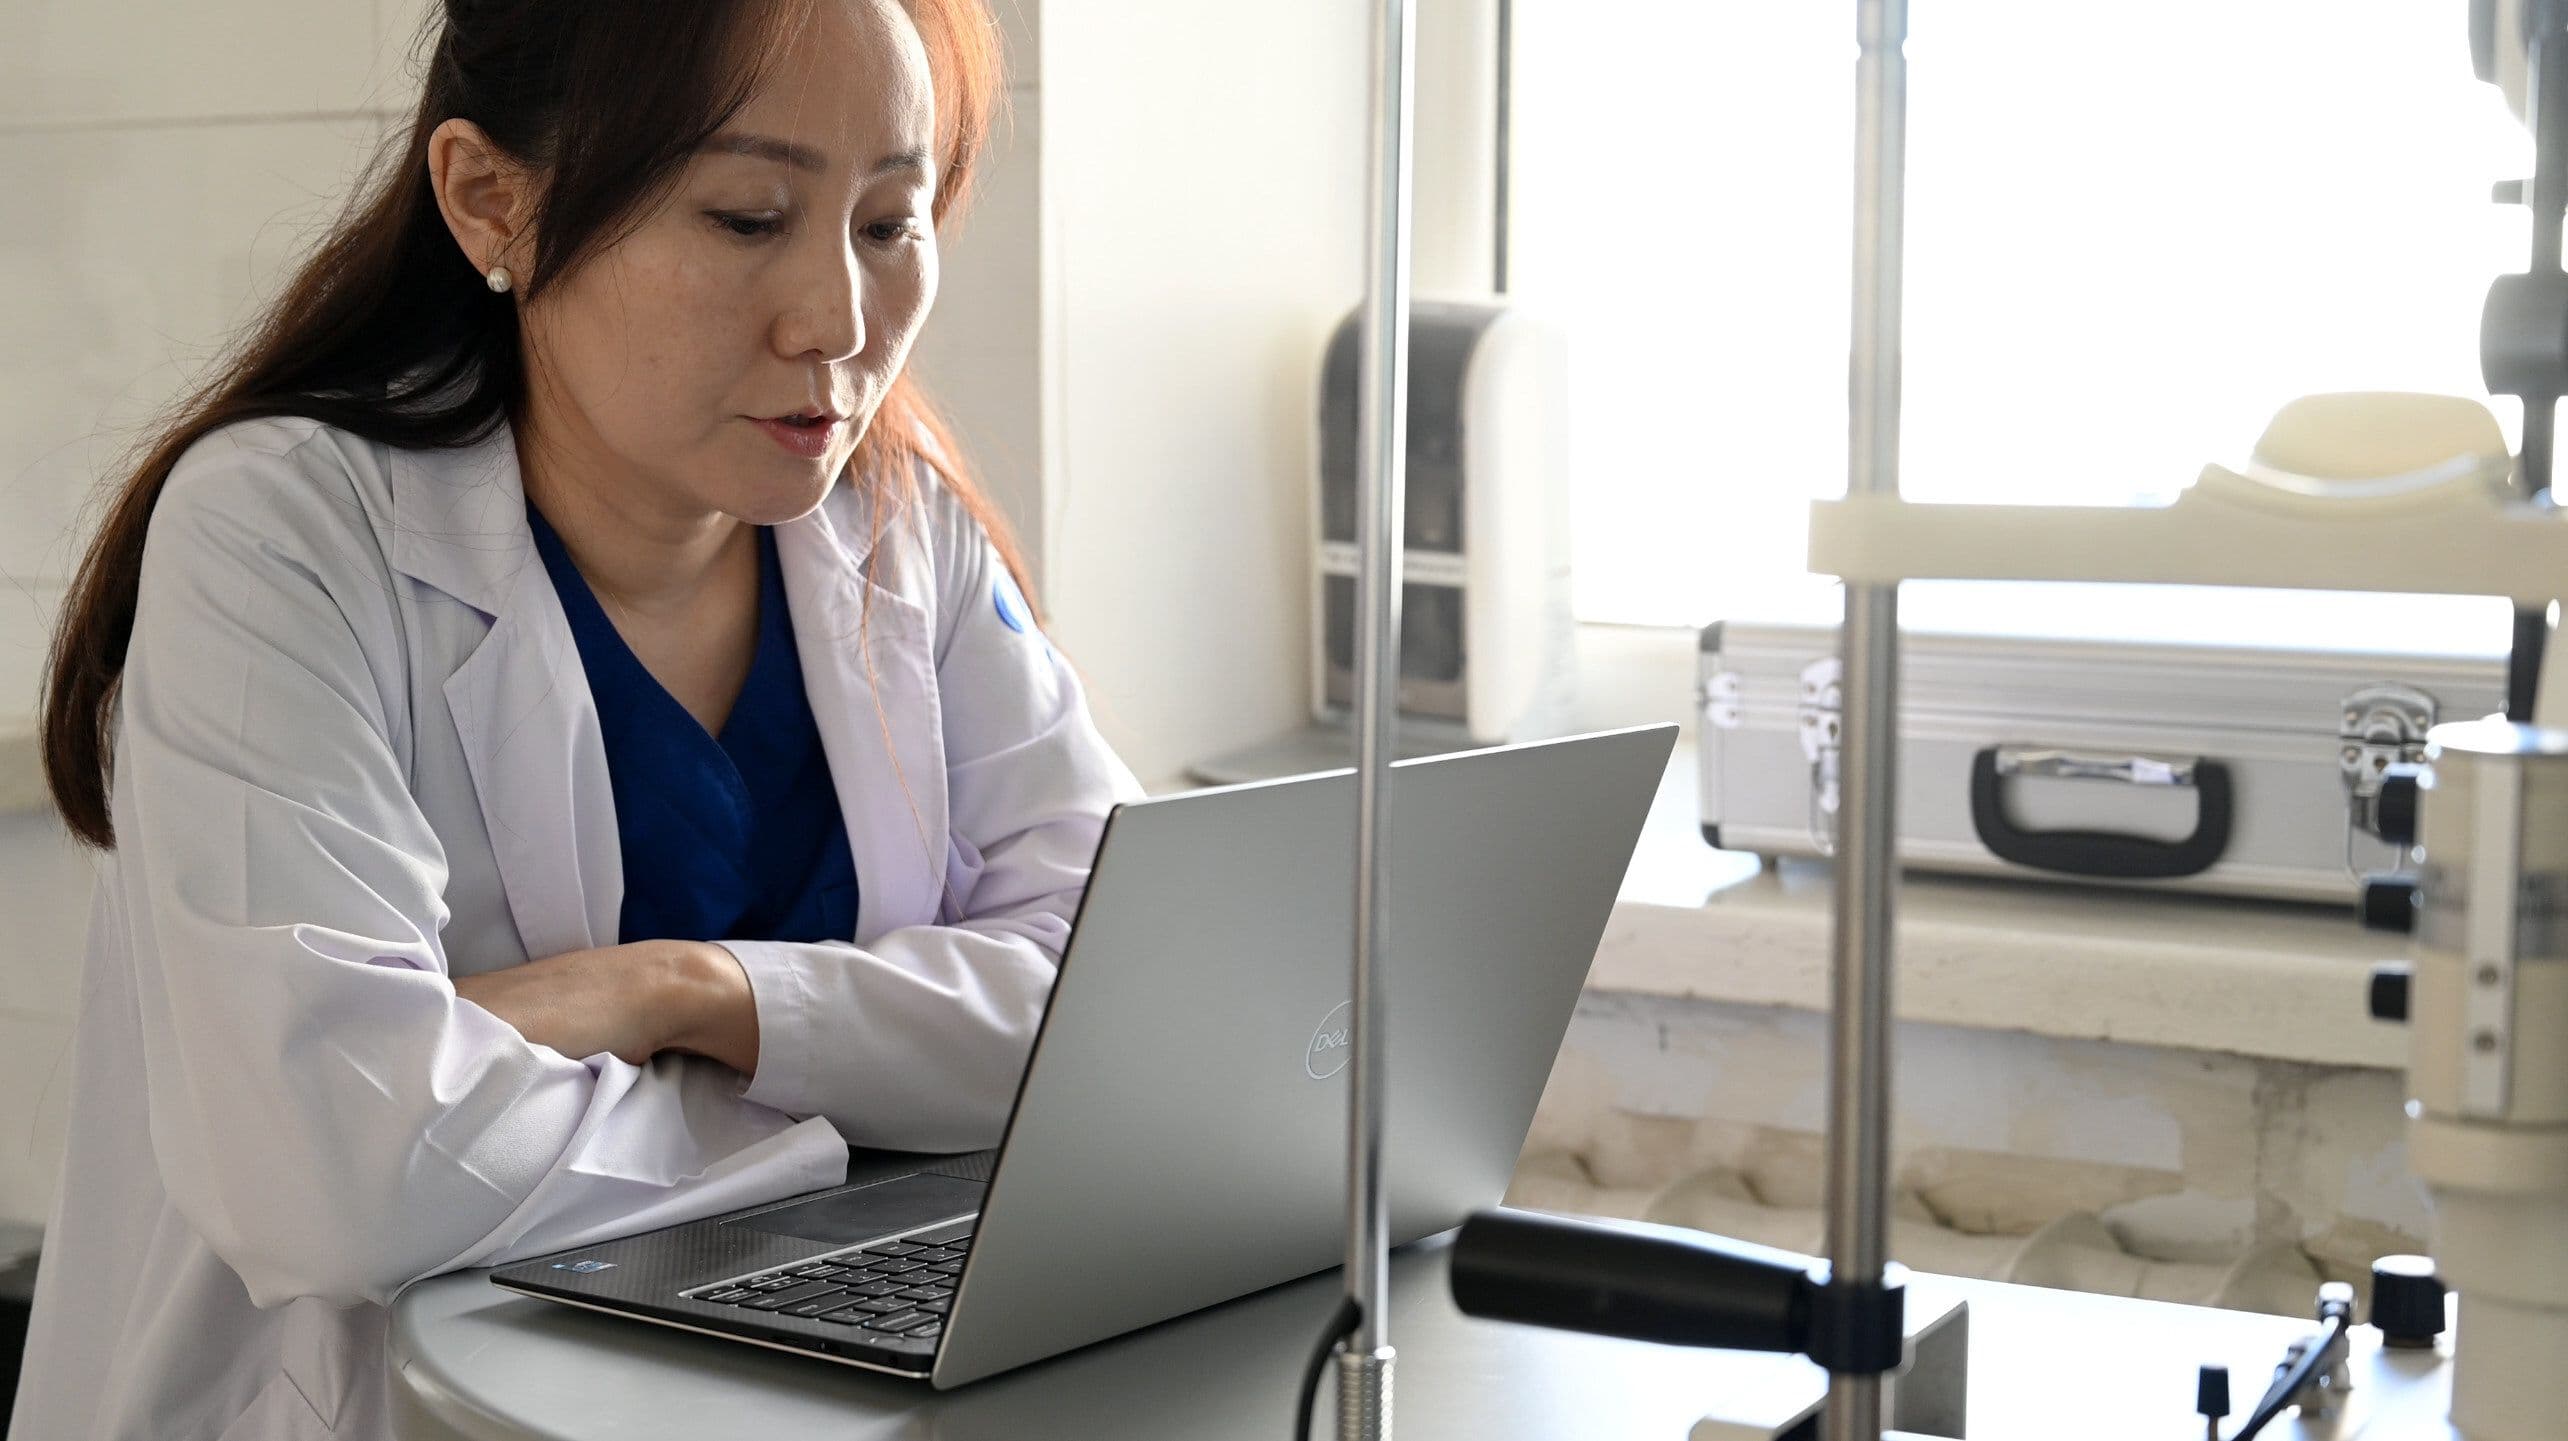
(1332, 1043)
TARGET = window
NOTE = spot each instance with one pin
(2131, 235)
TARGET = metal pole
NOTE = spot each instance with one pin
(1364, 1359)
(1867, 863)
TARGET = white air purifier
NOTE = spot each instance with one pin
(1485, 630)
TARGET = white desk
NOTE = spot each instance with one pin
(474, 1363)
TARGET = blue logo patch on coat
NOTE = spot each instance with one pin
(1011, 605)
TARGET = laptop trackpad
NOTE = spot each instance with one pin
(845, 1217)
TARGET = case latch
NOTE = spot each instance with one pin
(1722, 704)
(1822, 720)
(2384, 725)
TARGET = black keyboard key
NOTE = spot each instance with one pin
(896, 1268)
(727, 1295)
(883, 1305)
(893, 1248)
(925, 1293)
(928, 1332)
(948, 1268)
(935, 1308)
(898, 1321)
(772, 1283)
(933, 1255)
(875, 1288)
(779, 1300)
(817, 1304)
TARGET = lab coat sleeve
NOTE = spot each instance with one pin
(916, 1041)
(325, 1110)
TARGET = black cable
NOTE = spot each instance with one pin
(2288, 1381)
(1341, 1325)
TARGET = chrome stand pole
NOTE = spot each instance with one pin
(1364, 1358)
(1867, 860)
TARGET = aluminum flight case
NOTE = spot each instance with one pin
(2135, 762)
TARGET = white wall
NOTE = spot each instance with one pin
(980, 355)
(1204, 184)
(1203, 193)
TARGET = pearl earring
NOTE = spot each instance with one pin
(498, 279)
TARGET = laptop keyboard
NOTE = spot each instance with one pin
(891, 1289)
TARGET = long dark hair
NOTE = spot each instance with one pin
(387, 331)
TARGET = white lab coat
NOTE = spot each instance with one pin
(357, 757)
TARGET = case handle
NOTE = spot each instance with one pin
(2101, 854)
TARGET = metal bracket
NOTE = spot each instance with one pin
(1821, 715)
(2383, 725)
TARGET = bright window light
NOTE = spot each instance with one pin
(2132, 235)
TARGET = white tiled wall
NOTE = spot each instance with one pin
(163, 163)
(120, 62)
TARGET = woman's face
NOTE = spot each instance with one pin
(786, 273)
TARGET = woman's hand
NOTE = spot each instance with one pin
(634, 1001)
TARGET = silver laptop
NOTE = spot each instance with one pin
(1179, 1137)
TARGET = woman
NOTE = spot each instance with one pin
(571, 748)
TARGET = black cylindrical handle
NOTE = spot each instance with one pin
(2389, 904)
(2407, 1301)
(2394, 809)
(2387, 999)
(1679, 1290)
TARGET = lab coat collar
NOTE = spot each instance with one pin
(521, 702)
(529, 728)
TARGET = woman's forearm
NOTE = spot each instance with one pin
(712, 1010)
(634, 1000)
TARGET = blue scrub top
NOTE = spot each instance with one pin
(733, 837)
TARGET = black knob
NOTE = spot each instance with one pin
(2394, 810)
(2407, 1301)
(2386, 997)
(2211, 1392)
(2389, 904)
(2388, 1000)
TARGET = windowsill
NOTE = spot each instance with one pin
(2263, 979)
